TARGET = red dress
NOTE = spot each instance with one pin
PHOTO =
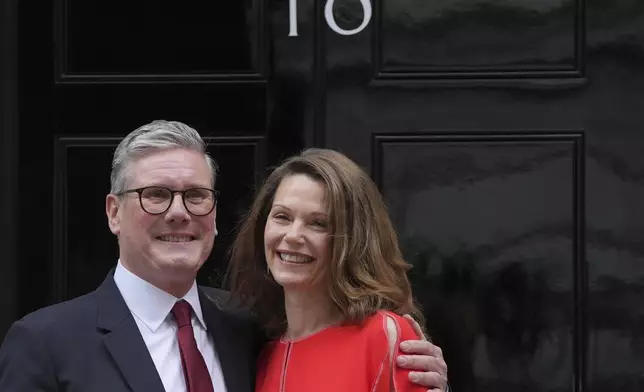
(346, 358)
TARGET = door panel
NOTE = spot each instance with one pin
(157, 40)
(499, 39)
(491, 224)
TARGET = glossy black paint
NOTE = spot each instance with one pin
(506, 138)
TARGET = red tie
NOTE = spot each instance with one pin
(194, 367)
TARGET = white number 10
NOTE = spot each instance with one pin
(330, 18)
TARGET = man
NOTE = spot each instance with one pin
(148, 327)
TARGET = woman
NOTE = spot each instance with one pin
(318, 261)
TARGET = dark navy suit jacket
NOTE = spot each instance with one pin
(92, 344)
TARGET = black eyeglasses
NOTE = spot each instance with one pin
(156, 200)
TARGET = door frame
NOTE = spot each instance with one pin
(9, 113)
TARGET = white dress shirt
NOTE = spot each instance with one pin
(151, 309)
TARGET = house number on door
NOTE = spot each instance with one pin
(330, 18)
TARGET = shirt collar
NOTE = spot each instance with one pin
(148, 302)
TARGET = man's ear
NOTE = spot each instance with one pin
(112, 210)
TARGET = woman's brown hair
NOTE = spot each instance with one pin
(367, 271)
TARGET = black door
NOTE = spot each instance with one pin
(507, 139)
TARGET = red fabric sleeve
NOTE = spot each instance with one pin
(382, 364)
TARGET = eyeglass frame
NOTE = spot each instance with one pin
(139, 191)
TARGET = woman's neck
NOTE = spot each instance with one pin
(308, 312)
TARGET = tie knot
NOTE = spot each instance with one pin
(182, 312)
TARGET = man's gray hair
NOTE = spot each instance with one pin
(155, 136)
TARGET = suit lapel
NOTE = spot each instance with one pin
(124, 341)
(230, 346)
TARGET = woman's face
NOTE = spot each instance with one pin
(297, 232)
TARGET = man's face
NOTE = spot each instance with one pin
(168, 249)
